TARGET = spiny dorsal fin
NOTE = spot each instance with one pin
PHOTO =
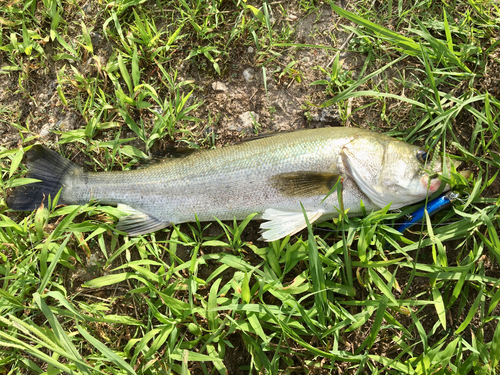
(169, 154)
(267, 135)
(178, 152)
(304, 183)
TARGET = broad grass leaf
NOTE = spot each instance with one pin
(12, 342)
(459, 285)
(408, 45)
(136, 72)
(494, 301)
(377, 264)
(402, 368)
(316, 271)
(472, 311)
(345, 290)
(70, 49)
(179, 308)
(7, 222)
(62, 226)
(439, 305)
(219, 365)
(382, 286)
(257, 328)
(259, 357)
(245, 289)
(53, 264)
(444, 356)
(6, 296)
(377, 324)
(192, 356)
(349, 92)
(175, 35)
(361, 318)
(212, 305)
(125, 74)
(158, 342)
(257, 13)
(108, 280)
(495, 347)
(20, 181)
(16, 160)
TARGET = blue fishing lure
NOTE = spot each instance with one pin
(432, 207)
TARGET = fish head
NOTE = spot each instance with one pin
(391, 171)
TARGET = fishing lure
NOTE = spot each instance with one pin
(432, 207)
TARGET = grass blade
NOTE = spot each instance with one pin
(109, 354)
(471, 313)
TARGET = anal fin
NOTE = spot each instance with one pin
(138, 222)
(283, 223)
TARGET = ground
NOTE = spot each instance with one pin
(110, 83)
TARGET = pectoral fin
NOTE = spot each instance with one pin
(283, 223)
(138, 222)
(304, 183)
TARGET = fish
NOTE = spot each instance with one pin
(281, 178)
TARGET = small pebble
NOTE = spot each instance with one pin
(157, 110)
(96, 38)
(93, 260)
(248, 75)
(87, 8)
(219, 86)
(248, 120)
(328, 114)
(45, 131)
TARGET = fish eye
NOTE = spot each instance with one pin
(422, 156)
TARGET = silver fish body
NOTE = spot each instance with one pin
(271, 176)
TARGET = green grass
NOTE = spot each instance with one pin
(353, 296)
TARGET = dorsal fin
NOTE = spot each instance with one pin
(170, 153)
(267, 135)
(178, 152)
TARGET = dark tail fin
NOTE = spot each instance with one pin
(47, 166)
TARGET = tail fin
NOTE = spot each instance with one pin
(47, 166)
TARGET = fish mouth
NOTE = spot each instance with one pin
(432, 184)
